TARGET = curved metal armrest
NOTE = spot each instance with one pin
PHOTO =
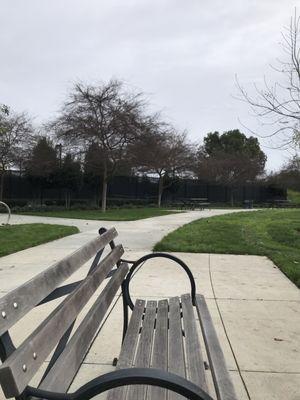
(123, 377)
(140, 261)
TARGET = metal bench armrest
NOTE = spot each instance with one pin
(124, 377)
(142, 260)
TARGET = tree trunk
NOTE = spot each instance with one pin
(104, 189)
(67, 199)
(1, 185)
(231, 197)
(41, 195)
(160, 189)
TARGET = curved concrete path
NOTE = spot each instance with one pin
(255, 308)
(140, 234)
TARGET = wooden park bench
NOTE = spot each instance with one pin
(199, 202)
(160, 349)
(281, 203)
(194, 203)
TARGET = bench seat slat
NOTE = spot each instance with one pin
(128, 349)
(173, 350)
(223, 384)
(36, 289)
(130, 342)
(43, 339)
(195, 365)
(62, 373)
(160, 349)
(176, 350)
(143, 356)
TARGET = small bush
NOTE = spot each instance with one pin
(15, 203)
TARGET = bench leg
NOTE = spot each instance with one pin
(115, 362)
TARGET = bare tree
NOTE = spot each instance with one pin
(278, 104)
(15, 130)
(160, 150)
(4, 109)
(104, 115)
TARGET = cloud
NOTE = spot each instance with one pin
(184, 53)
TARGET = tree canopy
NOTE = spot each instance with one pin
(230, 158)
(15, 135)
(43, 163)
(288, 176)
(105, 116)
(68, 176)
(162, 151)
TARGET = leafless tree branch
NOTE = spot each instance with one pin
(279, 104)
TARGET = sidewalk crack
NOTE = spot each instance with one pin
(268, 372)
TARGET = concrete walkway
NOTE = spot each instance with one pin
(140, 234)
(255, 308)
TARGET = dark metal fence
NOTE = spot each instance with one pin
(20, 189)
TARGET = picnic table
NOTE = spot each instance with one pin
(196, 202)
(280, 203)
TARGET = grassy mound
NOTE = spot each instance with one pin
(19, 237)
(116, 214)
(271, 233)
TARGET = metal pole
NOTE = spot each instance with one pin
(8, 210)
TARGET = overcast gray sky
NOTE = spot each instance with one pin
(183, 54)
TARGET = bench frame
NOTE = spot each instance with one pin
(120, 377)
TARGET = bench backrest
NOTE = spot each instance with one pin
(21, 364)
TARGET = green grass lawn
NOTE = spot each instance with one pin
(271, 233)
(19, 237)
(114, 214)
(293, 196)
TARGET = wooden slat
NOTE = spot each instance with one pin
(160, 349)
(194, 360)
(128, 350)
(64, 370)
(223, 384)
(36, 289)
(44, 338)
(176, 351)
(143, 356)
(127, 353)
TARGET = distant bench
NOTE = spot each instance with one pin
(192, 203)
(162, 334)
(281, 203)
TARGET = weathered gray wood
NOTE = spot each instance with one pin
(176, 351)
(160, 349)
(223, 384)
(129, 345)
(128, 350)
(62, 373)
(13, 377)
(20, 301)
(143, 356)
(194, 360)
